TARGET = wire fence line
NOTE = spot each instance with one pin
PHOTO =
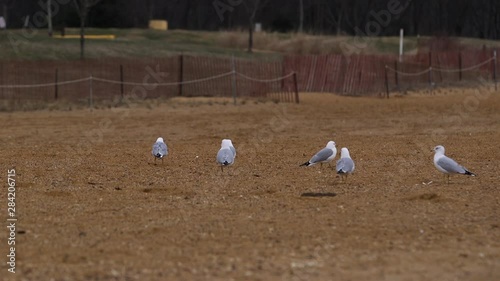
(449, 70)
(482, 69)
(380, 75)
(46, 84)
(86, 79)
(279, 79)
(266, 80)
(151, 78)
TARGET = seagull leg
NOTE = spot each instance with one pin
(222, 168)
(447, 178)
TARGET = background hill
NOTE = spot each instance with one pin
(36, 45)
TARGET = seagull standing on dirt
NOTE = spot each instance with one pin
(226, 154)
(160, 149)
(326, 155)
(231, 146)
(345, 165)
(447, 165)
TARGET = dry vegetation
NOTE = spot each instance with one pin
(141, 43)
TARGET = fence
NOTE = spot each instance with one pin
(109, 79)
(381, 74)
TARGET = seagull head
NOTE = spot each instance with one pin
(344, 153)
(226, 143)
(439, 149)
(330, 144)
(160, 139)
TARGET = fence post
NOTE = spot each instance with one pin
(121, 80)
(386, 82)
(181, 73)
(283, 73)
(56, 94)
(495, 68)
(233, 80)
(296, 87)
(459, 66)
(430, 70)
(91, 102)
(430, 78)
(396, 77)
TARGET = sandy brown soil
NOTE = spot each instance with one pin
(92, 205)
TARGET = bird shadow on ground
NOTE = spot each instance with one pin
(318, 194)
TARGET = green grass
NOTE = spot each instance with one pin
(36, 45)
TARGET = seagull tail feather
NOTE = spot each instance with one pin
(469, 173)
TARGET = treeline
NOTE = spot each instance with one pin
(478, 18)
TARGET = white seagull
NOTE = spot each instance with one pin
(326, 155)
(447, 165)
(231, 146)
(345, 165)
(226, 154)
(160, 149)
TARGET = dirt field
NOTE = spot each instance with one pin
(92, 205)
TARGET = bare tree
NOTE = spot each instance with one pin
(49, 17)
(252, 6)
(301, 16)
(334, 14)
(83, 8)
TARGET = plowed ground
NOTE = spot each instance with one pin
(92, 204)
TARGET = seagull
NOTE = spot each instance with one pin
(323, 156)
(231, 146)
(160, 149)
(447, 165)
(226, 154)
(345, 165)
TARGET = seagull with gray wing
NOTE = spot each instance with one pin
(226, 154)
(447, 165)
(345, 165)
(325, 155)
(160, 149)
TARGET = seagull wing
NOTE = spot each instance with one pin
(321, 156)
(225, 156)
(160, 149)
(345, 165)
(450, 165)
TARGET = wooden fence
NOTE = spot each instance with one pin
(381, 74)
(109, 79)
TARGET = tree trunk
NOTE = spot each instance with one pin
(339, 23)
(49, 17)
(82, 37)
(5, 14)
(250, 36)
(301, 16)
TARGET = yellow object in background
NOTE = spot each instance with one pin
(158, 24)
(106, 37)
